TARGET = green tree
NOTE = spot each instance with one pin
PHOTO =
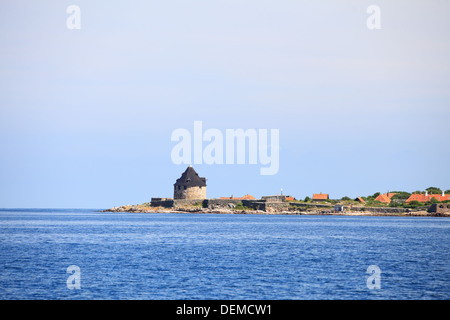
(434, 200)
(345, 198)
(400, 195)
(307, 199)
(373, 197)
(395, 204)
(434, 190)
(414, 204)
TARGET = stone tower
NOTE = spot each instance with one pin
(190, 186)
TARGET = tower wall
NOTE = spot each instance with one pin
(190, 193)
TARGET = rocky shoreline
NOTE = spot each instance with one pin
(200, 210)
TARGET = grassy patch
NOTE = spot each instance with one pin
(240, 206)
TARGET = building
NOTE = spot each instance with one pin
(440, 209)
(277, 198)
(385, 197)
(320, 197)
(427, 197)
(359, 199)
(190, 186)
(246, 197)
(160, 199)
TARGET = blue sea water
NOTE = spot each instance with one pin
(218, 256)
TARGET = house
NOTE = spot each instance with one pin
(246, 197)
(427, 197)
(385, 197)
(320, 197)
(360, 200)
(190, 186)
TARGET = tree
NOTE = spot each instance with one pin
(400, 195)
(373, 197)
(307, 199)
(434, 200)
(414, 204)
(395, 204)
(434, 190)
(345, 198)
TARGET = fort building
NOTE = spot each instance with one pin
(190, 186)
(440, 209)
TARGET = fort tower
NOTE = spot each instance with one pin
(190, 186)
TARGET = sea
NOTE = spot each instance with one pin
(65, 254)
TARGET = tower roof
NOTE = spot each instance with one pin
(190, 178)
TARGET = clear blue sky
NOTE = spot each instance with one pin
(86, 115)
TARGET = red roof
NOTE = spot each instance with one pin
(385, 197)
(425, 198)
(246, 197)
(360, 200)
(317, 196)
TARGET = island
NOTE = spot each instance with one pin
(190, 197)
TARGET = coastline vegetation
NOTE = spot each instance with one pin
(240, 206)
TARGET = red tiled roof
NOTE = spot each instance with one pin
(425, 198)
(317, 196)
(390, 194)
(246, 197)
(385, 197)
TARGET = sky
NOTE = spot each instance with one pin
(86, 115)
